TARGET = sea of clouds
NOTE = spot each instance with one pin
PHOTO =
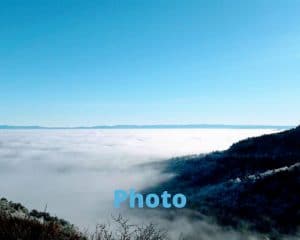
(73, 173)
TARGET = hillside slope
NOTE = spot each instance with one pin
(254, 184)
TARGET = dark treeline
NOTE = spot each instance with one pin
(253, 185)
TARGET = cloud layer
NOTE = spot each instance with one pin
(75, 172)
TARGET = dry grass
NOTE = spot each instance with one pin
(15, 228)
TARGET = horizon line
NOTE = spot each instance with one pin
(156, 126)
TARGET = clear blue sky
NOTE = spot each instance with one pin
(70, 63)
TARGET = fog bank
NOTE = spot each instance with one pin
(75, 172)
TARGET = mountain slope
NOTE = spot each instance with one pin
(254, 184)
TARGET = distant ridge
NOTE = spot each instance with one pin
(158, 126)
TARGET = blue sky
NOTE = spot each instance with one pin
(74, 63)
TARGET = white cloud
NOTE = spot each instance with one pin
(75, 172)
